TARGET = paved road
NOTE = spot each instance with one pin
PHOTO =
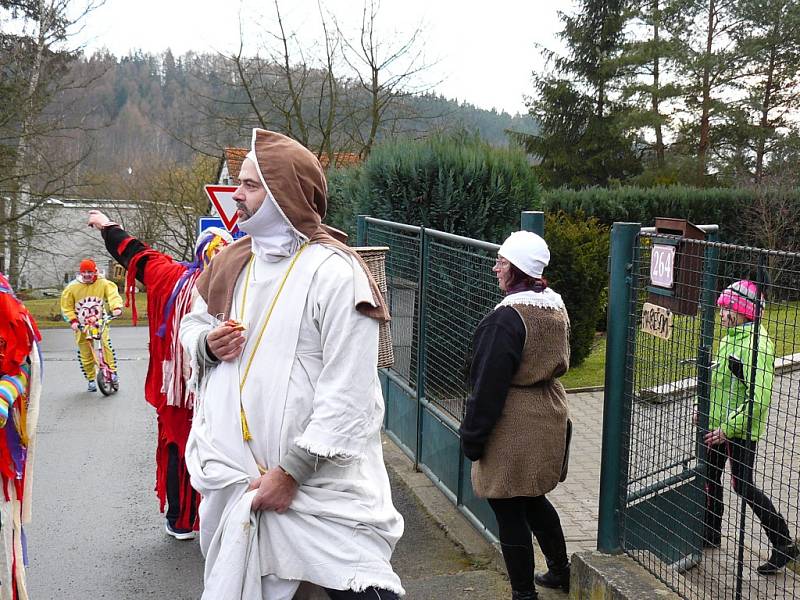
(97, 532)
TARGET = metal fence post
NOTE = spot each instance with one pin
(708, 314)
(361, 230)
(623, 240)
(532, 220)
(751, 396)
(422, 324)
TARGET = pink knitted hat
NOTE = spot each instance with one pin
(741, 297)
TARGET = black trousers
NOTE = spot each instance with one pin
(742, 455)
(517, 518)
(368, 594)
(174, 487)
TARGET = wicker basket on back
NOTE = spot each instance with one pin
(375, 258)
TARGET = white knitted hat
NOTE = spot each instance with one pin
(526, 251)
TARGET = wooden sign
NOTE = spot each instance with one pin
(657, 321)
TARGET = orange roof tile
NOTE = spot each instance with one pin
(234, 158)
(340, 159)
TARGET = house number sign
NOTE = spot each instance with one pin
(662, 265)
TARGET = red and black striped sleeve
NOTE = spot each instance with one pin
(123, 247)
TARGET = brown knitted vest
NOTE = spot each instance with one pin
(525, 451)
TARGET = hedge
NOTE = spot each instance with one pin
(456, 184)
(722, 206)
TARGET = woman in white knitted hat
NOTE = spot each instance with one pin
(516, 428)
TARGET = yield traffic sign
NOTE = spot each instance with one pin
(221, 197)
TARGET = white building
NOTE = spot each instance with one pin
(55, 238)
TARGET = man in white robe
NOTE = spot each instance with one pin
(285, 446)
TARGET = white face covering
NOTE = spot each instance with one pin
(272, 234)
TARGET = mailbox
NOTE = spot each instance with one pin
(676, 267)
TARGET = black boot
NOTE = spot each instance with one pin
(778, 559)
(531, 595)
(554, 548)
(555, 578)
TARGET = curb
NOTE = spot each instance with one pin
(582, 390)
(455, 525)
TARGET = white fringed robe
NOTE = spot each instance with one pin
(313, 385)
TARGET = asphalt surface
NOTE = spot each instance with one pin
(97, 531)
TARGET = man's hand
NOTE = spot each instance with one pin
(276, 490)
(225, 341)
(715, 437)
(98, 220)
(74, 325)
(116, 312)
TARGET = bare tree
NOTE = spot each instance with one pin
(34, 63)
(386, 71)
(168, 198)
(773, 221)
(331, 94)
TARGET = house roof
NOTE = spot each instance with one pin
(340, 159)
(235, 156)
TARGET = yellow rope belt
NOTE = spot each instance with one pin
(245, 429)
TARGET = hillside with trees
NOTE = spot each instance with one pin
(150, 128)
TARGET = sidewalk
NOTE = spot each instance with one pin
(577, 498)
(442, 555)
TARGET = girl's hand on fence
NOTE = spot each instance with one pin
(715, 437)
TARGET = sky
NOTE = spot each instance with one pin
(479, 52)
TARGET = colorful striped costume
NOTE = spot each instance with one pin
(11, 388)
(20, 388)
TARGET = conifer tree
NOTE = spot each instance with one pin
(583, 140)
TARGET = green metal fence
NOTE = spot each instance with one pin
(440, 286)
(668, 385)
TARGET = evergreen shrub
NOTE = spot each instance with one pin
(342, 191)
(579, 247)
(457, 183)
(701, 206)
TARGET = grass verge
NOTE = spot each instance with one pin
(47, 312)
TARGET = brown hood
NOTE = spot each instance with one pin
(297, 182)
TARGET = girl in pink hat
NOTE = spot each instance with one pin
(734, 430)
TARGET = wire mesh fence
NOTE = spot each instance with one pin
(402, 282)
(460, 290)
(454, 274)
(711, 503)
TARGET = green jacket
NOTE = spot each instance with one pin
(729, 388)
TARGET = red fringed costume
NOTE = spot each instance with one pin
(168, 285)
(20, 388)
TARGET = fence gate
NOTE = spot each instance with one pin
(671, 330)
(663, 334)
